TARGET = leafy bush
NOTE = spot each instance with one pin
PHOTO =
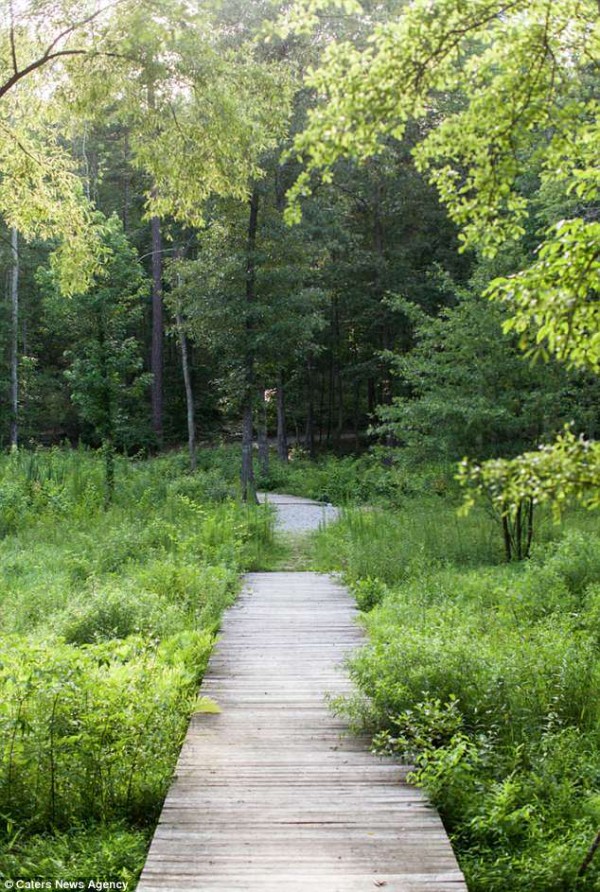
(108, 619)
(91, 732)
(485, 678)
(106, 850)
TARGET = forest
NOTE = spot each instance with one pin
(339, 249)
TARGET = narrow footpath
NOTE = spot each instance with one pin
(271, 793)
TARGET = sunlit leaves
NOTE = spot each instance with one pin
(521, 105)
(565, 470)
(42, 196)
(560, 294)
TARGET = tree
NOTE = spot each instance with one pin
(41, 194)
(522, 76)
(14, 346)
(469, 391)
(105, 365)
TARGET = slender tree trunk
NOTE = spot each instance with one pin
(14, 345)
(107, 428)
(126, 187)
(282, 445)
(189, 392)
(371, 397)
(248, 489)
(337, 377)
(340, 408)
(356, 411)
(263, 442)
(309, 439)
(156, 361)
(321, 407)
(330, 398)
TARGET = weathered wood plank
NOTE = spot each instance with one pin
(272, 794)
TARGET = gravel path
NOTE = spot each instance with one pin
(298, 515)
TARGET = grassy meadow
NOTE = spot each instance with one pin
(483, 675)
(107, 621)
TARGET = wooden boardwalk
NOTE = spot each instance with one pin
(270, 794)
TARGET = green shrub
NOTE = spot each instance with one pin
(486, 681)
(118, 613)
(92, 733)
(111, 850)
(108, 618)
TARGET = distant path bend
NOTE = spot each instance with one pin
(296, 514)
(271, 794)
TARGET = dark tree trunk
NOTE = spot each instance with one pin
(282, 445)
(321, 407)
(371, 398)
(263, 441)
(337, 377)
(309, 438)
(248, 488)
(156, 361)
(14, 341)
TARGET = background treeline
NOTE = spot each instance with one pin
(364, 314)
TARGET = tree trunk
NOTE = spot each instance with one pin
(356, 411)
(309, 438)
(263, 442)
(14, 345)
(106, 429)
(282, 445)
(156, 361)
(189, 393)
(248, 489)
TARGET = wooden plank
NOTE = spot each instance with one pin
(272, 794)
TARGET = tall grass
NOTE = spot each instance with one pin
(108, 618)
(485, 677)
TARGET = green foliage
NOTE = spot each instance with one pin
(511, 71)
(90, 733)
(112, 850)
(483, 677)
(108, 620)
(105, 373)
(385, 546)
(566, 470)
(469, 391)
(522, 107)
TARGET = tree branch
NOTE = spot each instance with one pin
(50, 52)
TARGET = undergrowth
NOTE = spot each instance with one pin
(483, 676)
(108, 619)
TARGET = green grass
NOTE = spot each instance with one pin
(108, 619)
(485, 676)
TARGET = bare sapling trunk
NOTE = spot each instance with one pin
(247, 476)
(263, 441)
(14, 344)
(282, 445)
(189, 393)
(309, 436)
(156, 356)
